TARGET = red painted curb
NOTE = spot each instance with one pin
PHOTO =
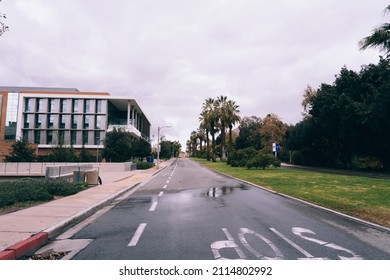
(27, 246)
(7, 255)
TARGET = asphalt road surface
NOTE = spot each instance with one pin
(189, 212)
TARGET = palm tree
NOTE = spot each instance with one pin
(209, 121)
(223, 116)
(379, 38)
(206, 127)
(233, 118)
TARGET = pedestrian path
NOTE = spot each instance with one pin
(23, 231)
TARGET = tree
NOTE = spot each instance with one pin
(210, 120)
(141, 148)
(118, 146)
(21, 151)
(249, 135)
(62, 153)
(272, 131)
(85, 155)
(3, 26)
(223, 115)
(233, 117)
(379, 38)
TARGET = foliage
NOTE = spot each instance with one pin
(379, 38)
(62, 153)
(85, 155)
(144, 165)
(3, 26)
(348, 119)
(21, 151)
(169, 149)
(251, 158)
(249, 133)
(35, 190)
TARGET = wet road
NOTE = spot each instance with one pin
(188, 212)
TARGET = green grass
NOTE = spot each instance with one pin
(365, 198)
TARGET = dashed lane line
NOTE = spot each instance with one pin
(133, 242)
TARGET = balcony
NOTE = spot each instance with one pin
(127, 128)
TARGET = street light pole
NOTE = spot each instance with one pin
(158, 144)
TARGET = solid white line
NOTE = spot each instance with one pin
(153, 207)
(137, 235)
(307, 254)
(165, 186)
(161, 193)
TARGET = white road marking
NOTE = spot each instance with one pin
(305, 253)
(167, 181)
(161, 193)
(153, 207)
(223, 244)
(137, 235)
(165, 186)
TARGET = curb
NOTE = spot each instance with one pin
(36, 241)
(351, 218)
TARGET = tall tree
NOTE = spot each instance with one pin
(118, 146)
(205, 125)
(210, 119)
(249, 135)
(380, 37)
(233, 117)
(221, 108)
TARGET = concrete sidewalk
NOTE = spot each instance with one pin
(24, 231)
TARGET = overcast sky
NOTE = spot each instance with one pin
(170, 55)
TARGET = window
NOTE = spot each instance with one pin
(50, 123)
(26, 121)
(87, 122)
(11, 116)
(61, 137)
(85, 137)
(74, 121)
(49, 137)
(63, 121)
(73, 137)
(87, 105)
(52, 105)
(27, 104)
(98, 122)
(39, 105)
(38, 120)
(99, 104)
(63, 105)
(25, 135)
(97, 138)
(75, 105)
(37, 136)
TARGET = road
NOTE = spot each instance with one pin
(189, 212)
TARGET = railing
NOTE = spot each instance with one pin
(128, 128)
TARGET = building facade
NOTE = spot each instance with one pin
(49, 117)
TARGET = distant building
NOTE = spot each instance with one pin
(48, 117)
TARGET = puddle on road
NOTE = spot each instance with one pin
(216, 192)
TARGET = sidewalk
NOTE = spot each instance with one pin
(24, 231)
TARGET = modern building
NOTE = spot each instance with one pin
(48, 117)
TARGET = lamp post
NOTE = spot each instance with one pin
(158, 144)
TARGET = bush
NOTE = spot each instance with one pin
(367, 163)
(144, 165)
(30, 189)
(262, 160)
(240, 158)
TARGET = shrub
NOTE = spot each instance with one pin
(29, 189)
(367, 163)
(144, 165)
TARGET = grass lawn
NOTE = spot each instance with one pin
(361, 197)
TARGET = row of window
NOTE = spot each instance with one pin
(50, 119)
(61, 105)
(48, 137)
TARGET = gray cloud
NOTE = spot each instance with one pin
(171, 55)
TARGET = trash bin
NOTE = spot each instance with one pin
(78, 176)
(149, 159)
(92, 177)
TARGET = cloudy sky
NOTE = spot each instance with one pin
(170, 55)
